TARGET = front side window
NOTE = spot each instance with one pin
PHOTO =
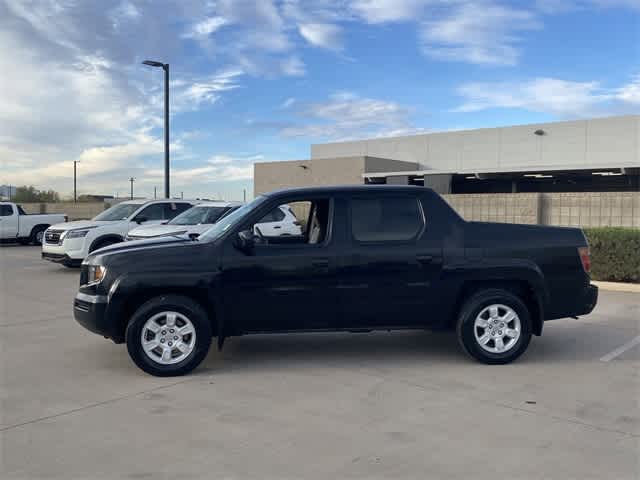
(6, 210)
(299, 222)
(118, 212)
(385, 219)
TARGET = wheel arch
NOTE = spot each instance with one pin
(39, 226)
(111, 237)
(122, 306)
(523, 289)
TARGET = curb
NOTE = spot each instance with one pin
(618, 287)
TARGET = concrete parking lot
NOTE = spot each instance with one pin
(325, 406)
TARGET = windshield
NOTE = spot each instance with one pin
(199, 215)
(117, 212)
(231, 220)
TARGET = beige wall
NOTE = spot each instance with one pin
(75, 211)
(592, 209)
(496, 207)
(269, 176)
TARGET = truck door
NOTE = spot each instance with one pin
(285, 282)
(8, 221)
(392, 266)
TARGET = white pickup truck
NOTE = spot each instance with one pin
(16, 225)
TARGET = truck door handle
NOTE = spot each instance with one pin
(277, 226)
(320, 262)
(424, 258)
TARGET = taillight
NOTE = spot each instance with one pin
(585, 258)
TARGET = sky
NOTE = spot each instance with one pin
(262, 80)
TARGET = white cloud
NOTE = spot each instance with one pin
(288, 103)
(477, 33)
(630, 92)
(346, 116)
(293, 67)
(206, 27)
(324, 35)
(549, 95)
(381, 11)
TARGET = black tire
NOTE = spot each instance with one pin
(174, 303)
(37, 235)
(101, 244)
(466, 329)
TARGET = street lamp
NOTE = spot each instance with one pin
(132, 180)
(165, 67)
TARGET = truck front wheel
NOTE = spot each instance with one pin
(37, 234)
(168, 336)
(494, 326)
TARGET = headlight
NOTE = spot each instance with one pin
(95, 274)
(77, 233)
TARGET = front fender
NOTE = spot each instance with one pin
(129, 291)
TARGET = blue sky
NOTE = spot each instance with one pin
(262, 80)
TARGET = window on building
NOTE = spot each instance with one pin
(385, 219)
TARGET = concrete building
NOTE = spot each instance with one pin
(522, 174)
(596, 155)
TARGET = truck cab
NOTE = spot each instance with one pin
(365, 258)
(17, 225)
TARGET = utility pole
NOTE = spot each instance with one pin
(155, 192)
(244, 195)
(132, 180)
(181, 195)
(75, 190)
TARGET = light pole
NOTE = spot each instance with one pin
(75, 191)
(165, 67)
(132, 180)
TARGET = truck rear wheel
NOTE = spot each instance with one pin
(494, 326)
(168, 336)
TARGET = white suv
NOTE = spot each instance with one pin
(194, 221)
(69, 243)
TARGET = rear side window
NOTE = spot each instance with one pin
(6, 210)
(386, 219)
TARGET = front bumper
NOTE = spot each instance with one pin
(90, 312)
(61, 258)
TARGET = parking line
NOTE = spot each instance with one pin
(620, 350)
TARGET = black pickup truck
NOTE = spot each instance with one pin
(367, 258)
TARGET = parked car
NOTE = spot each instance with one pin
(280, 221)
(69, 243)
(368, 258)
(17, 225)
(194, 221)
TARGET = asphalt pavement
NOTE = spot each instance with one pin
(312, 406)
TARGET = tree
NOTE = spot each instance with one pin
(26, 194)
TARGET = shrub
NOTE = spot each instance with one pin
(615, 254)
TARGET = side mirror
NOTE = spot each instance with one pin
(139, 219)
(245, 241)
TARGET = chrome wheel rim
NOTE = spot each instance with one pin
(497, 328)
(39, 236)
(168, 338)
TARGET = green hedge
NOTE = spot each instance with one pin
(615, 254)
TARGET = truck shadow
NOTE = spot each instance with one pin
(388, 349)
